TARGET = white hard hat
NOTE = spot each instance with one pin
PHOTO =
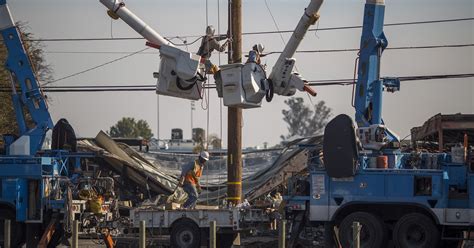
(210, 30)
(204, 155)
(258, 47)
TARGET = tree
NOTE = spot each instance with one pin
(199, 135)
(215, 141)
(43, 73)
(303, 120)
(143, 129)
(127, 127)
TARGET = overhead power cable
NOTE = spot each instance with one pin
(344, 82)
(277, 52)
(270, 53)
(95, 67)
(360, 26)
(250, 33)
(152, 87)
(274, 22)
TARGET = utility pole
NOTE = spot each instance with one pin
(234, 115)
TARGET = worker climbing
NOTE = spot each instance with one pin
(209, 43)
(189, 179)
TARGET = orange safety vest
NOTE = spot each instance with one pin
(197, 170)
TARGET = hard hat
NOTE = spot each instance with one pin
(210, 30)
(204, 155)
(258, 47)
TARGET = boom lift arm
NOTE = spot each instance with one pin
(368, 95)
(245, 85)
(284, 78)
(180, 74)
(30, 97)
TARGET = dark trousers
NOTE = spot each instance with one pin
(193, 195)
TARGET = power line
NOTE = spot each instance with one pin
(274, 22)
(95, 67)
(270, 53)
(388, 48)
(152, 87)
(333, 50)
(360, 26)
(276, 52)
(100, 86)
(250, 33)
(345, 82)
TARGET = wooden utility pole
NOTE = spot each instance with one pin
(234, 115)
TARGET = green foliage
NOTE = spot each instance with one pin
(198, 148)
(215, 141)
(142, 129)
(303, 120)
(43, 73)
(127, 127)
(199, 135)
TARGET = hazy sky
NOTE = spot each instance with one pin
(91, 112)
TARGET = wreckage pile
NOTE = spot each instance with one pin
(153, 176)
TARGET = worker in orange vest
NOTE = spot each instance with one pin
(189, 179)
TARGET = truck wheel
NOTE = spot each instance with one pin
(17, 237)
(225, 240)
(372, 233)
(415, 230)
(185, 234)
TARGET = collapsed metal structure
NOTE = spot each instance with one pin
(153, 178)
(443, 131)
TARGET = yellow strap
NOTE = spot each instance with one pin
(233, 198)
(234, 183)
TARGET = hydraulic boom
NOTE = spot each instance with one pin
(180, 73)
(26, 93)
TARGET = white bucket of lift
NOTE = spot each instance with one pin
(243, 85)
(177, 74)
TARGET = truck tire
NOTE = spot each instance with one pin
(415, 230)
(17, 229)
(372, 234)
(225, 240)
(185, 234)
